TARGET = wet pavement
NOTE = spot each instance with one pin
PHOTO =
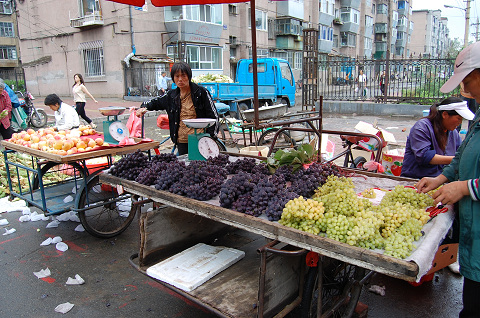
(113, 288)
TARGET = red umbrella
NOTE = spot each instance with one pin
(163, 3)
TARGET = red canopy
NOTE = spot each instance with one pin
(164, 3)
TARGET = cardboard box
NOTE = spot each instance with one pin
(261, 151)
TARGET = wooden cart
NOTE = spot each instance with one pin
(288, 276)
(102, 211)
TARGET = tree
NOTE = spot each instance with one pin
(454, 48)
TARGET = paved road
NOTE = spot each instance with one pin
(114, 289)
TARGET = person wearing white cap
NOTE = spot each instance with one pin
(461, 183)
(433, 140)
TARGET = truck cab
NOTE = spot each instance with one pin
(271, 71)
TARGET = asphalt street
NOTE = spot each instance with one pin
(113, 288)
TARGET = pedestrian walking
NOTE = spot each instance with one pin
(162, 83)
(79, 92)
(381, 81)
(362, 84)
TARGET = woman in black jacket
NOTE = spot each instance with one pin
(187, 101)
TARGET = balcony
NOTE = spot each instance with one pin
(402, 28)
(350, 27)
(87, 21)
(325, 18)
(350, 3)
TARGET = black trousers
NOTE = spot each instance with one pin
(6, 132)
(471, 305)
(80, 108)
(182, 148)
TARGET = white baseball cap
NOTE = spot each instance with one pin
(461, 108)
(467, 60)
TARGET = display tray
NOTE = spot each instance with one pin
(373, 260)
(103, 151)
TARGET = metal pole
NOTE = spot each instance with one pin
(387, 62)
(254, 58)
(467, 24)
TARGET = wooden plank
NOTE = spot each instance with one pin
(354, 255)
(81, 155)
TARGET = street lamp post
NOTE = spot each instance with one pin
(467, 20)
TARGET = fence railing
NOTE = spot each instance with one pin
(408, 80)
(13, 78)
(141, 81)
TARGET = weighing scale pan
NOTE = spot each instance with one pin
(111, 110)
(199, 122)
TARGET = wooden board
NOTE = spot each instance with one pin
(82, 155)
(350, 254)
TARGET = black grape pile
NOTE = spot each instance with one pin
(171, 174)
(130, 166)
(149, 174)
(306, 181)
(275, 207)
(233, 188)
(243, 164)
(264, 192)
(220, 160)
(164, 157)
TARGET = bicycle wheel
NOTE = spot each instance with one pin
(38, 119)
(221, 145)
(104, 218)
(339, 279)
(283, 140)
(54, 172)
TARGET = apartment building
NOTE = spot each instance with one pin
(431, 37)
(9, 51)
(101, 39)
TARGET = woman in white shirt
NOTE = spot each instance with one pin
(65, 115)
(362, 83)
(79, 92)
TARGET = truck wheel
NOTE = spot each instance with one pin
(240, 108)
(285, 102)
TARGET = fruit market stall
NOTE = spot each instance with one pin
(59, 173)
(302, 232)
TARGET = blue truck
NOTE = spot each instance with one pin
(276, 85)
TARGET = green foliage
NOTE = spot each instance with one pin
(14, 85)
(293, 157)
(428, 92)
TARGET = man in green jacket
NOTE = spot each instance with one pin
(461, 182)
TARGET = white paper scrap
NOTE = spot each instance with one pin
(11, 206)
(56, 239)
(38, 217)
(48, 241)
(53, 224)
(62, 247)
(64, 308)
(75, 281)
(24, 218)
(80, 228)
(74, 217)
(67, 199)
(9, 231)
(3, 222)
(42, 273)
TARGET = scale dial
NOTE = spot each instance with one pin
(208, 147)
(118, 130)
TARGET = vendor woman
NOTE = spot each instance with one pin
(187, 101)
(433, 140)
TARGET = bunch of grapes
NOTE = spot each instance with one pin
(164, 157)
(196, 173)
(287, 172)
(172, 173)
(243, 204)
(303, 214)
(243, 164)
(369, 193)
(261, 168)
(275, 207)
(205, 190)
(333, 183)
(264, 192)
(233, 188)
(149, 174)
(406, 195)
(130, 166)
(220, 160)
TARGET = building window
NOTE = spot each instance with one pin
(288, 26)
(401, 5)
(232, 9)
(89, 7)
(374, 8)
(286, 72)
(204, 57)
(279, 54)
(209, 13)
(368, 43)
(92, 58)
(271, 29)
(6, 29)
(348, 39)
(260, 20)
(327, 6)
(350, 15)
(335, 41)
(6, 6)
(8, 53)
(290, 57)
(382, 9)
(232, 39)
(261, 53)
(326, 33)
(298, 61)
(233, 52)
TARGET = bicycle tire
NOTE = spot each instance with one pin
(337, 280)
(283, 141)
(62, 170)
(38, 119)
(106, 219)
(221, 145)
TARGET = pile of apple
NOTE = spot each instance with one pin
(63, 142)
